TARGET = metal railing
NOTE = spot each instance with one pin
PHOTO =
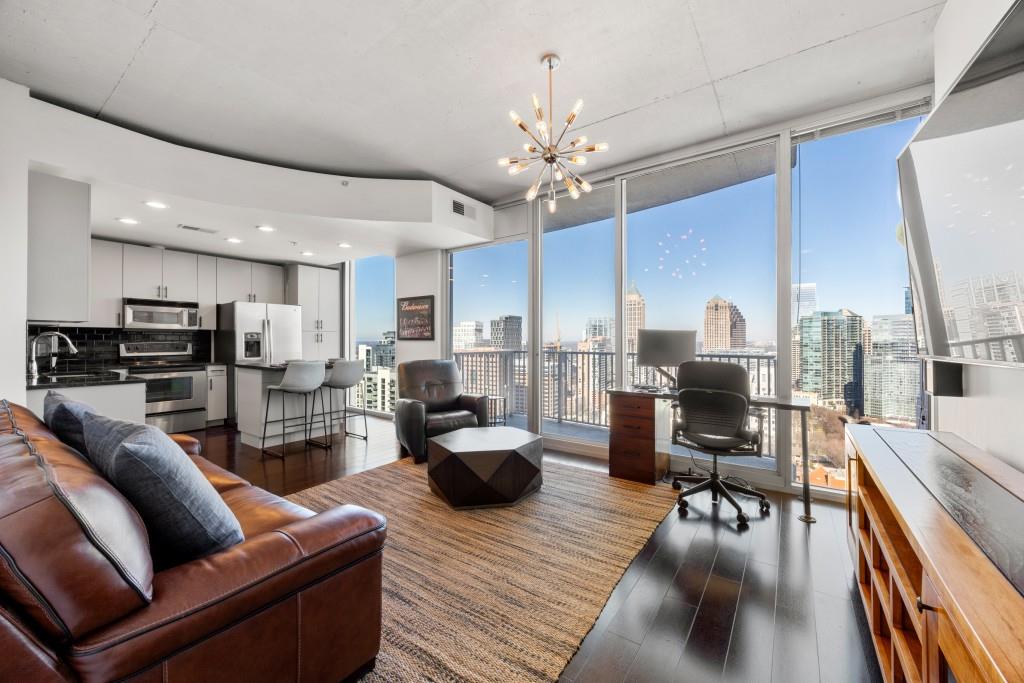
(575, 382)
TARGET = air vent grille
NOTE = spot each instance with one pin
(461, 209)
(196, 228)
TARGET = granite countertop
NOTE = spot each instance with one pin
(80, 379)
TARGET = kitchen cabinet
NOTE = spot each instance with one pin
(247, 281)
(181, 276)
(207, 295)
(267, 283)
(142, 276)
(154, 273)
(58, 248)
(318, 292)
(105, 298)
(217, 393)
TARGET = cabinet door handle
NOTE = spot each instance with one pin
(211, 384)
(159, 292)
(118, 319)
(922, 606)
(200, 321)
(165, 291)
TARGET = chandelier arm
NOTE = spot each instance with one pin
(532, 136)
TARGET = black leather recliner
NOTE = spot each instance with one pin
(430, 402)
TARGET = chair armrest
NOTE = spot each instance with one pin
(196, 600)
(189, 444)
(411, 426)
(476, 403)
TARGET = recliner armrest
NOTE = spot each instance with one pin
(411, 426)
(476, 403)
(189, 444)
(195, 600)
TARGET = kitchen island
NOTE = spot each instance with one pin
(114, 394)
(250, 383)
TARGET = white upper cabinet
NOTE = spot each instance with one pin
(267, 283)
(181, 276)
(303, 290)
(207, 284)
(105, 284)
(58, 248)
(142, 276)
(234, 280)
(330, 299)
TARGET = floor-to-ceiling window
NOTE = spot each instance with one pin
(854, 349)
(701, 256)
(488, 296)
(578, 361)
(373, 332)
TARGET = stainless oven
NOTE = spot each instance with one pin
(143, 314)
(176, 388)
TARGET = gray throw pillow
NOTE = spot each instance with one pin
(186, 518)
(63, 416)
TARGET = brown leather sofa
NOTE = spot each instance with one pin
(299, 599)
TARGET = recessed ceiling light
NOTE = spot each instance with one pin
(307, 253)
(128, 221)
(265, 228)
(344, 245)
(233, 240)
(153, 204)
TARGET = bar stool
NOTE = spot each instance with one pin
(344, 375)
(300, 377)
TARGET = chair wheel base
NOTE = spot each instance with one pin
(742, 518)
(765, 506)
(677, 485)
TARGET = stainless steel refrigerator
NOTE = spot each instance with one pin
(258, 334)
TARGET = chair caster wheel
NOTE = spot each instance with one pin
(677, 485)
(683, 503)
(742, 518)
(765, 506)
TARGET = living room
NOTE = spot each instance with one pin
(489, 342)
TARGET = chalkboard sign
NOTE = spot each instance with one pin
(416, 318)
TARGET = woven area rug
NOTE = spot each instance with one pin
(498, 594)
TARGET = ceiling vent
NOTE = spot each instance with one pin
(463, 210)
(195, 228)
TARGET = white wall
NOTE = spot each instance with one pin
(421, 274)
(511, 221)
(989, 414)
(14, 237)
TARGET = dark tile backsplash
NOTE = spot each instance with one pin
(97, 346)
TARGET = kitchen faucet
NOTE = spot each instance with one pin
(33, 367)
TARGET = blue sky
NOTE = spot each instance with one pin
(845, 218)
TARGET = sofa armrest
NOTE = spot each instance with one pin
(198, 599)
(189, 444)
(476, 403)
(411, 426)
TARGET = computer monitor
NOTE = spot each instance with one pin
(665, 349)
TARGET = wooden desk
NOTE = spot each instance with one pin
(935, 603)
(632, 447)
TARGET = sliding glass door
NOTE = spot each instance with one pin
(489, 326)
(701, 256)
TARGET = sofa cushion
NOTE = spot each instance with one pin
(448, 421)
(185, 515)
(74, 554)
(64, 416)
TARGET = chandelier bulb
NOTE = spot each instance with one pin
(530, 148)
(516, 119)
(601, 147)
(558, 173)
(551, 205)
(581, 140)
(585, 186)
(517, 169)
(578, 107)
(504, 161)
(542, 129)
(578, 159)
(538, 111)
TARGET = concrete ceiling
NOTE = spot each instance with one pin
(421, 89)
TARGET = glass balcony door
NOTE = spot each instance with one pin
(489, 333)
(701, 256)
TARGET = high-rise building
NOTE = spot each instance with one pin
(636, 316)
(892, 371)
(832, 359)
(600, 326)
(467, 335)
(804, 300)
(725, 327)
(908, 301)
(507, 332)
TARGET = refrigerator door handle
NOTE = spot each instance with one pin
(270, 337)
(264, 347)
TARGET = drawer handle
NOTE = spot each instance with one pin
(922, 606)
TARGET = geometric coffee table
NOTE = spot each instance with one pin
(484, 466)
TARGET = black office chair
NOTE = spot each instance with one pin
(711, 417)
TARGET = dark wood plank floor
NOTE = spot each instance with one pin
(702, 601)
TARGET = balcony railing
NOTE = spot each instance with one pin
(575, 382)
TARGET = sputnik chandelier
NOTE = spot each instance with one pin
(547, 148)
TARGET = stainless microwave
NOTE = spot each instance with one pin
(143, 314)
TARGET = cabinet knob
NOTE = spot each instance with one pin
(922, 606)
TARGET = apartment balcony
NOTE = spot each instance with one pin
(574, 397)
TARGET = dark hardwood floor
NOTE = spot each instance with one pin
(702, 601)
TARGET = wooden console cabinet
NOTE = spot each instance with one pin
(937, 606)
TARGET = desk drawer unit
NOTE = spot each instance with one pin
(631, 445)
